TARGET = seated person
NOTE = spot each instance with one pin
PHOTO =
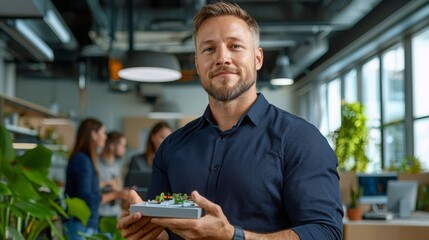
(140, 167)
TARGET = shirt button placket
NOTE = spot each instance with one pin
(218, 155)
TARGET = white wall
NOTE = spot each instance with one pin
(111, 107)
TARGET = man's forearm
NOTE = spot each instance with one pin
(282, 235)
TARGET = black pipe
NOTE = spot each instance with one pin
(130, 26)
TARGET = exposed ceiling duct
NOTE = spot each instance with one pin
(33, 29)
(301, 28)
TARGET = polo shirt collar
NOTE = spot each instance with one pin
(254, 114)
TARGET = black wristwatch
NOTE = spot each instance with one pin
(238, 233)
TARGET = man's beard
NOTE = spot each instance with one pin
(224, 94)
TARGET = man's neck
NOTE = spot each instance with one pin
(108, 158)
(226, 115)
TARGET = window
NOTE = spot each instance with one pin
(330, 98)
(421, 141)
(371, 91)
(381, 85)
(393, 144)
(420, 45)
(393, 92)
(324, 121)
(350, 86)
(334, 105)
(371, 101)
(420, 70)
(393, 85)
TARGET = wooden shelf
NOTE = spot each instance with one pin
(21, 130)
(53, 147)
(21, 106)
(29, 123)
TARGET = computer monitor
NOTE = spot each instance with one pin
(401, 197)
(374, 187)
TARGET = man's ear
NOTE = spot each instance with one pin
(259, 58)
(196, 65)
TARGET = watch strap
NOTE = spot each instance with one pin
(238, 233)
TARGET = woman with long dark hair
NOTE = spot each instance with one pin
(143, 161)
(82, 176)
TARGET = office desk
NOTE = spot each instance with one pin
(414, 228)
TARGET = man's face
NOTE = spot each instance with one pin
(121, 147)
(226, 57)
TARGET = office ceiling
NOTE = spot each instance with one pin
(100, 29)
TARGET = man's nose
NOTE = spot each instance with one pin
(223, 56)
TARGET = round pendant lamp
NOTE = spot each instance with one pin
(281, 75)
(150, 66)
(165, 110)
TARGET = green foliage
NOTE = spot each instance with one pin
(423, 198)
(78, 208)
(354, 196)
(24, 211)
(160, 198)
(108, 225)
(29, 200)
(409, 164)
(179, 198)
(351, 139)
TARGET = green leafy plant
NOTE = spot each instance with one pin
(29, 200)
(107, 226)
(423, 198)
(351, 139)
(355, 194)
(28, 197)
(179, 198)
(410, 164)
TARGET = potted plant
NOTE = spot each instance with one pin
(354, 212)
(29, 200)
(351, 139)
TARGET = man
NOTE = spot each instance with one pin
(110, 175)
(253, 166)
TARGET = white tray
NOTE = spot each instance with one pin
(167, 209)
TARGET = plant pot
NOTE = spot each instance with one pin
(354, 214)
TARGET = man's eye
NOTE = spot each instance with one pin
(209, 49)
(235, 46)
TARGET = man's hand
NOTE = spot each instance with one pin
(136, 226)
(213, 225)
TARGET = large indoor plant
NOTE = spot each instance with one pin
(29, 200)
(351, 139)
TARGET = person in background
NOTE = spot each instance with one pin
(140, 168)
(110, 174)
(82, 176)
(257, 171)
(143, 162)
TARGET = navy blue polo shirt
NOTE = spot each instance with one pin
(271, 171)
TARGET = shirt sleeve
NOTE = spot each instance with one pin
(82, 170)
(311, 185)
